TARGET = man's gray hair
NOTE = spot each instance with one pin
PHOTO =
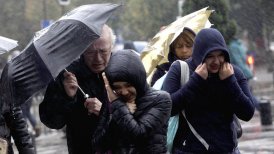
(112, 36)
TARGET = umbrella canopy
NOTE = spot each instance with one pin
(52, 50)
(6, 44)
(156, 52)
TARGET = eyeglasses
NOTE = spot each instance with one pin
(102, 52)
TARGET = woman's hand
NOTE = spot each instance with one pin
(226, 70)
(201, 70)
(131, 106)
(111, 95)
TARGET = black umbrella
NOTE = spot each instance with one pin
(52, 50)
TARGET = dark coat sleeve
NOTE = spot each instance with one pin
(19, 131)
(55, 106)
(142, 126)
(134, 127)
(180, 96)
(243, 101)
(102, 133)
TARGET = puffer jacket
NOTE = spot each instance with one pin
(144, 131)
(58, 110)
(209, 104)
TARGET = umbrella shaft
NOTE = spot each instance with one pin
(85, 95)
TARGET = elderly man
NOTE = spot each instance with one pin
(65, 105)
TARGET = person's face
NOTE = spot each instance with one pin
(98, 53)
(214, 60)
(183, 50)
(125, 90)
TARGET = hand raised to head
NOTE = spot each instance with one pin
(226, 70)
(111, 95)
(201, 70)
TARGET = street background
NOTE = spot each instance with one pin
(140, 20)
(258, 138)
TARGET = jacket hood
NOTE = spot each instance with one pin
(206, 41)
(171, 56)
(126, 66)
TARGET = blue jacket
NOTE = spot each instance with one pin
(238, 57)
(209, 104)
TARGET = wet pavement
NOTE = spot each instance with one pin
(52, 143)
(257, 138)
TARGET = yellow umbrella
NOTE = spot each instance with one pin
(156, 52)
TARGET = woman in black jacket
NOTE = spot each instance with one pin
(136, 118)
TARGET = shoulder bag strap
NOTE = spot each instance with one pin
(196, 133)
(184, 79)
(184, 72)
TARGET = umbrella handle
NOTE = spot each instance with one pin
(84, 94)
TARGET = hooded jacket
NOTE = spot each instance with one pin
(209, 104)
(144, 131)
(58, 110)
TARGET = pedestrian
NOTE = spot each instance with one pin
(179, 49)
(238, 53)
(215, 92)
(65, 105)
(238, 56)
(135, 120)
(12, 124)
